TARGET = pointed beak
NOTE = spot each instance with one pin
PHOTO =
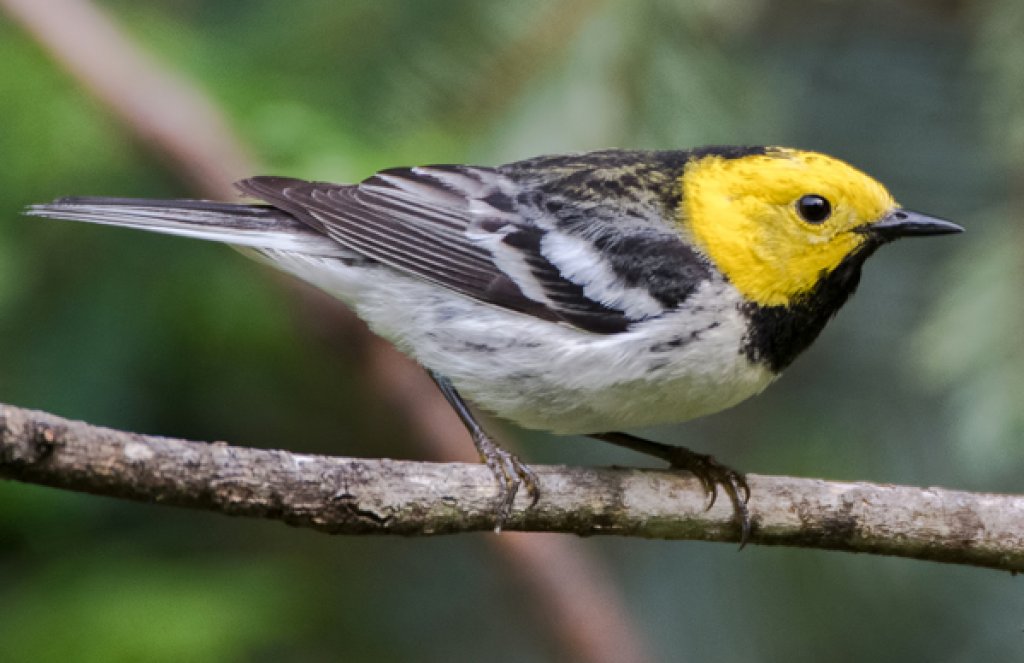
(905, 223)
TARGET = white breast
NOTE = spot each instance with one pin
(555, 377)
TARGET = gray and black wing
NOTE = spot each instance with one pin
(582, 239)
(464, 228)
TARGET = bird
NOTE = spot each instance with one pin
(586, 293)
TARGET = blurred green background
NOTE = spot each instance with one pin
(920, 380)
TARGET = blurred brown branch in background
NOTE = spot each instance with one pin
(370, 496)
(177, 121)
(165, 111)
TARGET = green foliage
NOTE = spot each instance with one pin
(971, 346)
(123, 609)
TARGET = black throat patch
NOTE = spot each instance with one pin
(778, 334)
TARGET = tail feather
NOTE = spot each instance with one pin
(255, 226)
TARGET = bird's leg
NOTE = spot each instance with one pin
(508, 470)
(709, 471)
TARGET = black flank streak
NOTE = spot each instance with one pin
(657, 365)
(665, 346)
(680, 341)
(482, 348)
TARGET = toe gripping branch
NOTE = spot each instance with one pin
(509, 472)
(709, 471)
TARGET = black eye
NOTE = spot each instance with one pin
(813, 208)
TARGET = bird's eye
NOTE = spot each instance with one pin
(813, 208)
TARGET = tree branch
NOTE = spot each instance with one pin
(363, 496)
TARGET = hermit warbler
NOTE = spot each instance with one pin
(580, 293)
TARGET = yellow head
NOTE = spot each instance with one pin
(776, 223)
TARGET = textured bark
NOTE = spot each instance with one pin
(364, 496)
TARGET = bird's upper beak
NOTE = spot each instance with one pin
(904, 223)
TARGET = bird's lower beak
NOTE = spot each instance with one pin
(905, 223)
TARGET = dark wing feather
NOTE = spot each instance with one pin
(443, 224)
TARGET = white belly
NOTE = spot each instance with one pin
(554, 376)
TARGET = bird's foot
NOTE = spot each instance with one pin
(713, 474)
(510, 473)
(508, 470)
(709, 471)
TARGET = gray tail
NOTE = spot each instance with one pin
(255, 226)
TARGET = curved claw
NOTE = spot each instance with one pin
(530, 480)
(733, 486)
(713, 474)
(710, 490)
